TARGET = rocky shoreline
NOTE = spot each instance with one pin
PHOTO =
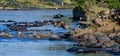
(88, 42)
(100, 34)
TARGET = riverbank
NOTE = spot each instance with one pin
(36, 18)
(34, 8)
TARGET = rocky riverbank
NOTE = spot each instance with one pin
(88, 40)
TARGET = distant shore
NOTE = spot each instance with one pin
(32, 8)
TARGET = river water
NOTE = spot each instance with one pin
(29, 47)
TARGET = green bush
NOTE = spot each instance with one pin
(49, 3)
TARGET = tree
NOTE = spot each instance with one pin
(113, 3)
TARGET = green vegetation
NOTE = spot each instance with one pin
(108, 3)
(37, 3)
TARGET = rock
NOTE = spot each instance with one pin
(7, 35)
(45, 22)
(2, 21)
(115, 13)
(102, 39)
(38, 36)
(78, 14)
(94, 45)
(58, 16)
(20, 34)
(11, 21)
(45, 35)
(61, 24)
(116, 38)
(66, 35)
(54, 39)
(117, 29)
(73, 49)
(91, 39)
(64, 26)
(105, 14)
(80, 38)
(53, 36)
(112, 35)
(97, 34)
(52, 22)
(108, 43)
(115, 49)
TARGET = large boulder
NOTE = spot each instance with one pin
(78, 14)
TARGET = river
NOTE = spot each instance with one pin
(30, 47)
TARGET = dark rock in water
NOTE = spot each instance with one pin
(66, 35)
(11, 21)
(45, 22)
(78, 14)
(73, 49)
(58, 16)
(95, 45)
(2, 21)
(51, 21)
(17, 28)
(84, 50)
(53, 39)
